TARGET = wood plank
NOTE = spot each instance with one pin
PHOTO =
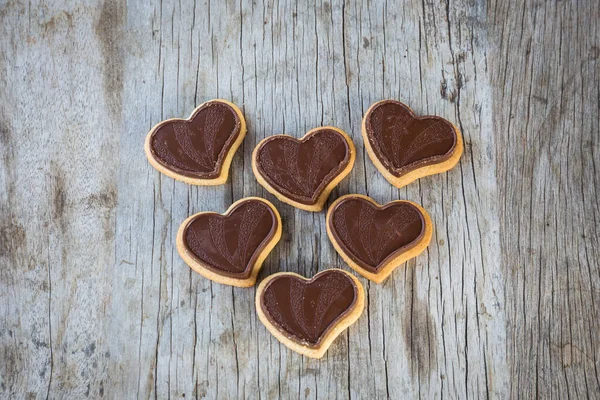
(547, 100)
(59, 160)
(94, 299)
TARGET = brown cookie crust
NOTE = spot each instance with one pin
(401, 175)
(397, 258)
(245, 279)
(220, 176)
(315, 204)
(313, 350)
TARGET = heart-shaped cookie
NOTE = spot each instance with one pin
(306, 315)
(230, 248)
(198, 150)
(374, 240)
(405, 147)
(303, 172)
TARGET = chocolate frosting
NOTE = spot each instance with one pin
(403, 142)
(372, 235)
(306, 310)
(230, 244)
(301, 169)
(197, 147)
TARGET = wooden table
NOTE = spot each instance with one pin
(94, 299)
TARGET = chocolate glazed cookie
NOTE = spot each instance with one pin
(198, 150)
(405, 147)
(303, 172)
(306, 315)
(230, 248)
(374, 240)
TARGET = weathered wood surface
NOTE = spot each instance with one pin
(94, 300)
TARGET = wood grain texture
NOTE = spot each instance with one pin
(94, 300)
(548, 100)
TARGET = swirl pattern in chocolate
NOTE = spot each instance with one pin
(403, 142)
(230, 244)
(301, 169)
(197, 147)
(373, 235)
(306, 310)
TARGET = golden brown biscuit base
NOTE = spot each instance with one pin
(318, 206)
(339, 327)
(200, 268)
(419, 172)
(224, 174)
(394, 263)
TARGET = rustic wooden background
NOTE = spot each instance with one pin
(94, 300)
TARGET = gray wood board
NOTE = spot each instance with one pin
(94, 299)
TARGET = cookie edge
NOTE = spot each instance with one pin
(318, 206)
(418, 173)
(340, 326)
(224, 174)
(395, 262)
(226, 280)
